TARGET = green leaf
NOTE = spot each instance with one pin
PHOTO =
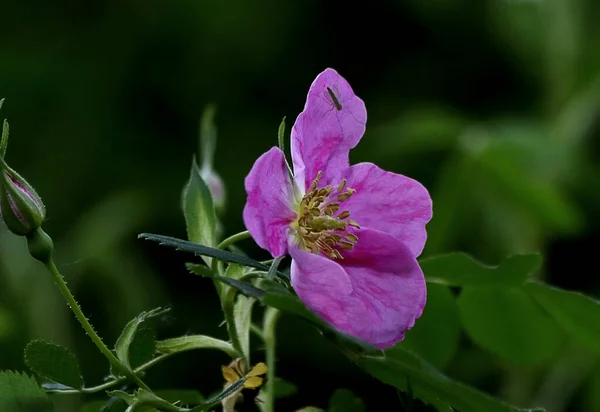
(192, 342)
(53, 362)
(21, 393)
(281, 135)
(201, 250)
(4, 139)
(509, 323)
(274, 266)
(122, 347)
(114, 404)
(430, 385)
(436, 334)
(142, 348)
(200, 269)
(199, 211)
(343, 400)
(459, 269)
(103, 406)
(578, 314)
(284, 388)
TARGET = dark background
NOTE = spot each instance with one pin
(492, 104)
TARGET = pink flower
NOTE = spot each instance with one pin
(354, 232)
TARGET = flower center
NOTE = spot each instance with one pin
(320, 226)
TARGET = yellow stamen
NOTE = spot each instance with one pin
(317, 226)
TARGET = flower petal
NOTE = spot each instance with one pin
(268, 211)
(375, 293)
(327, 129)
(389, 202)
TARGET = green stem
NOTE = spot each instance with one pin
(40, 247)
(228, 301)
(229, 314)
(217, 266)
(269, 323)
(114, 382)
(257, 331)
(234, 239)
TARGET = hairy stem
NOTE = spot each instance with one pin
(40, 247)
(269, 323)
(114, 382)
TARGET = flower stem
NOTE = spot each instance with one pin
(40, 247)
(228, 305)
(234, 239)
(269, 323)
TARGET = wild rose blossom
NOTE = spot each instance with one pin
(353, 232)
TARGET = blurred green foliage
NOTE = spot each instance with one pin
(492, 104)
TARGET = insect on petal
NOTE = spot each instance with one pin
(229, 374)
(253, 382)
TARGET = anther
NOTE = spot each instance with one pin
(346, 245)
(352, 237)
(345, 214)
(353, 223)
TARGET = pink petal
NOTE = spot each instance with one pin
(375, 293)
(323, 135)
(268, 211)
(389, 202)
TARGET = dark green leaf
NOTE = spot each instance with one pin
(343, 400)
(541, 200)
(284, 388)
(114, 404)
(436, 334)
(201, 250)
(199, 211)
(53, 362)
(291, 304)
(430, 385)
(509, 323)
(200, 269)
(244, 287)
(273, 269)
(578, 314)
(142, 348)
(185, 343)
(21, 393)
(127, 336)
(459, 269)
(420, 129)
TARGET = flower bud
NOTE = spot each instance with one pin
(20, 206)
(215, 185)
